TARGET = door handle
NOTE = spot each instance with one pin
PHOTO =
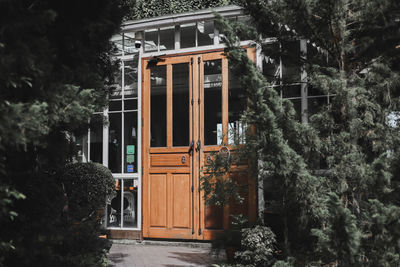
(191, 146)
(198, 145)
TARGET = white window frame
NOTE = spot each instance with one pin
(105, 148)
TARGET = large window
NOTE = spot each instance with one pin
(289, 77)
(195, 34)
(113, 138)
(122, 121)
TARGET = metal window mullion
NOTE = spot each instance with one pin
(195, 35)
(122, 203)
(123, 119)
(105, 138)
(123, 45)
(88, 146)
(139, 145)
(122, 142)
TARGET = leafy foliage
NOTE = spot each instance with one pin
(55, 65)
(86, 184)
(257, 247)
(140, 9)
(341, 216)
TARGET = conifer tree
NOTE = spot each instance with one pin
(55, 62)
(348, 215)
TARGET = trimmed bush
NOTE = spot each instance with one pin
(86, 187)
(257, 247)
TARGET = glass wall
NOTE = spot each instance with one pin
(187, 35)
(113, 138)
(288, 76)
(122, 207)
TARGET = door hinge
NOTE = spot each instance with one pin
(198, 60)
(192, 189)
(191, 60)
(192, 101)
(199, 231)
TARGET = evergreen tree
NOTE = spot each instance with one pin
(139, 9)
(54, 67)
(348, 216)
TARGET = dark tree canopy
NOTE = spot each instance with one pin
(55, 65)
(139, 9)
(336, 177)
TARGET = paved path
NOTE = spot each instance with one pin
(160, 254)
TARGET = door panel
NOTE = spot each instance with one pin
(181, 201)
(170, 160)
(185, 118)
(158, 200)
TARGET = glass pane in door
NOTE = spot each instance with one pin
(180, 104)
(236, 104)
(212, 102)
(158, 106)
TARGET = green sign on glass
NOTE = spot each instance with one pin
(130, 149)
(130, 158)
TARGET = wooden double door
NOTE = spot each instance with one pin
(185, 118)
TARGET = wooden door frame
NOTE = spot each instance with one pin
(198, 68)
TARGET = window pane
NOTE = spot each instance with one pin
(180, 104)
(158, 107)
(188, 35)
(96, 138)
(291, 91)
(130, 104)
(130, 203)
(131, 77)
(297, 108)
(113, 206)
(117, 41)
(291, 62)
(212, 102)
(270, 67)
(314, 91)
(129, 43)
(82, 148)
(237, 104)
(151, 40)
(116, 88)
(205, 32)
(167, 38)
(130, 140)
(114, 143)
(115, 105)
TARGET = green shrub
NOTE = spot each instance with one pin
(257, 247)
(86, 187)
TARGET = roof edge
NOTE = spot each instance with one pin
(187, 17)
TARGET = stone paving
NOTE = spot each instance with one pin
(160, 253)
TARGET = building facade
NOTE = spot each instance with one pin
(174, 103)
